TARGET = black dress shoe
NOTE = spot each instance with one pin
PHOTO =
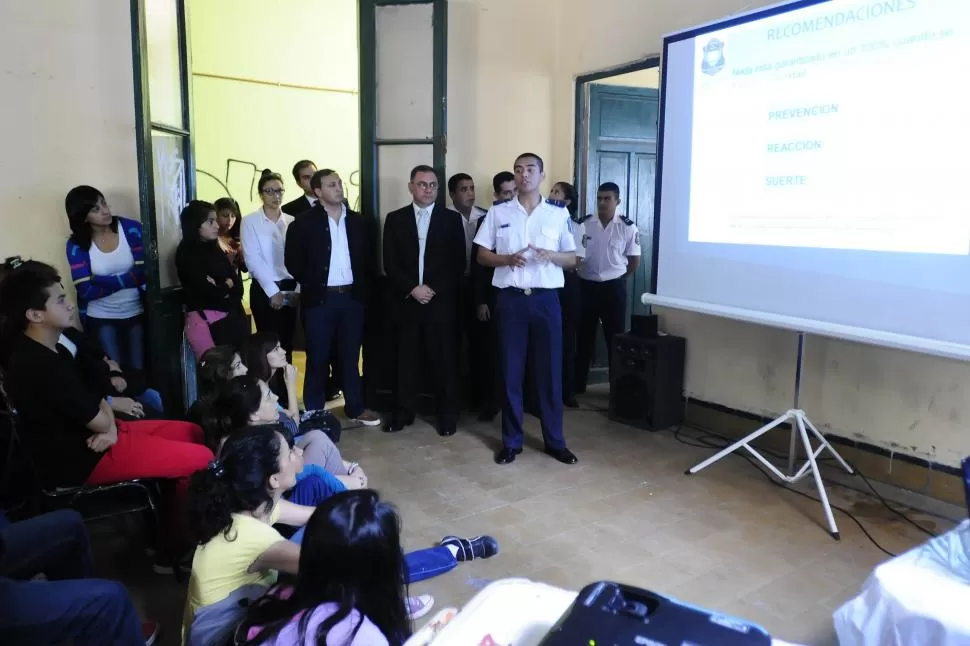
(570, 401)
(447, 427)
(506, 455)
(564, 455)
(398, 421)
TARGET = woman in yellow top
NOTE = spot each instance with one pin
(233, 506)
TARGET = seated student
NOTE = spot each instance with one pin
(234, 504)
(265, 359)
(350, 588)
(70, 431)
(68, 605)
(124, 391)
(245, 402)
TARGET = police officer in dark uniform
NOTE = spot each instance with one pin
(533, 243)
(612, 245)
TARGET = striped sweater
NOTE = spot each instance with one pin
(90, 287)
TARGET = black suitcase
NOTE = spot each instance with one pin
(613, 614)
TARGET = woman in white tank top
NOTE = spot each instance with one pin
(107, 261)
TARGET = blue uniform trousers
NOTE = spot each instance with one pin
(530, 325)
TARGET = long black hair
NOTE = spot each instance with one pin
(569, 192)
(80, 201)
(237, 481)
(228, 410)
(191, 218)
(351, 556)
(215, 368)
(254, 350)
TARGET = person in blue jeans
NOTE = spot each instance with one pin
(233, 505)
(70, 605)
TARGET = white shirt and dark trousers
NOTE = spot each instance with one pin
(529, 318)
(333, 263)
(603, 285)
(425, 246)
(262, 243)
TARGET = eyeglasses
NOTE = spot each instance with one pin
(273, 191)
(424, 186)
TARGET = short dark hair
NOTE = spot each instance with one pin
(534, 156)
(266, 177)
(299, 166)
(227, 204)
(422, 168)
(501, 178)
(317, 180)
(609, 187)
(80, 201)
(455, 179)
(24, 287)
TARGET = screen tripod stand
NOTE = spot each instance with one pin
(801, 428)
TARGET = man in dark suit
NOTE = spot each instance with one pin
(329, 252)
(424, 259)
(303, 172)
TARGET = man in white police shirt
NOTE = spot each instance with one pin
(532, 242)
(612, 246)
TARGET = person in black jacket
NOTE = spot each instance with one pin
(211, 286)
(424, 259)
(328, 252)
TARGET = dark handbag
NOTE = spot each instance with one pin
(321, 420)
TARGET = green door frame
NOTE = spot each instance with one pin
(165, 357)
(369, 141)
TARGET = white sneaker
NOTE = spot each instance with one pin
(419, 606)
(367, 418)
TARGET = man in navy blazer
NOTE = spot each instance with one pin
(424, 259)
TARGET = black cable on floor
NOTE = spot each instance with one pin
(702, 444)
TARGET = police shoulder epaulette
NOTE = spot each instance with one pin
(558, 203)
(497, 202)
(627, 221)
(583, 218)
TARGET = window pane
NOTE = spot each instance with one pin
(170, 197)
(405, 66)
(164, 69)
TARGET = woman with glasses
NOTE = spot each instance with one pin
(263, 235)
(107, 260)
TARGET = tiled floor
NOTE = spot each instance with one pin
(724, 538)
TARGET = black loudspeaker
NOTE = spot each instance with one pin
(643, 326)
(647, 381)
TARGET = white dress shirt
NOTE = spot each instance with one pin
(607, 248)
(263, 241)
(422, 217)
(341, 272)
(471, 226)
(509, 228)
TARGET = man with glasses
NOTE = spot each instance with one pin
(424, 259)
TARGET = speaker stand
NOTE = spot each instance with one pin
(801, 428)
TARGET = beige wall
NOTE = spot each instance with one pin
(908, 403)
(648, 78)
(501, 70)
(69, 118)
(298, 42)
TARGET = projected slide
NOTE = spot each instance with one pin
(840, 126)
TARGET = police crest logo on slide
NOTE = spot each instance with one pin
(713, 61)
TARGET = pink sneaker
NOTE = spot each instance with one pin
(419, 606)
